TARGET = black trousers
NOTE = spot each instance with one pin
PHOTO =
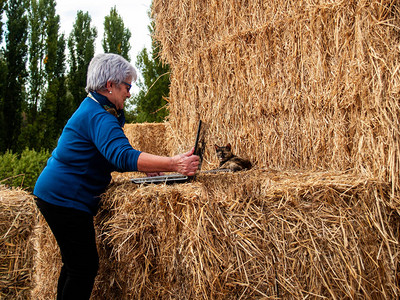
(75, 235)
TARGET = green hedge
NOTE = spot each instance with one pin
(22, 170)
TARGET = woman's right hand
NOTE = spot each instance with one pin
(186, 163)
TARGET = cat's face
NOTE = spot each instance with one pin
(223, 152)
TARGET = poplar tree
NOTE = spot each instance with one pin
(116, 36)
(3, 73)
(37, 36)
(54, 74)
(81, 45)
(46, 49)
(64, 103)
(150, 103)
(2, 5)
(15, 57)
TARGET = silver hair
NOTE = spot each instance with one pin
(108, 67)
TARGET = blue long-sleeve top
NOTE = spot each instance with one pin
(91, 146)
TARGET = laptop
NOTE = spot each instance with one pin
(176, 177)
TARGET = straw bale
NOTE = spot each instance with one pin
(47, 262)
(310, 85)
(17, 218)
(146, 137)
(250, 235)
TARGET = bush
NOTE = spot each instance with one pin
(22, 170)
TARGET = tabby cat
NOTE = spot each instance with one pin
(229, 161)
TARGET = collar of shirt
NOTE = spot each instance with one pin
(108, 106)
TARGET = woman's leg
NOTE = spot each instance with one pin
(75, 235)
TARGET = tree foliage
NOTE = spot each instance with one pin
(22, 170)
(2, 6)
(37, 38)
(3, 74)
(116, 36)
(42, 124)
(81, 43)
(15, 57)
(150, 103)
(54, 72)
(3, 85)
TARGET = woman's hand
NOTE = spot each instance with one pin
(186, 163)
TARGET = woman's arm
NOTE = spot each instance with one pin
(186, 164)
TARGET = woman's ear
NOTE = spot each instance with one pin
(109, 86)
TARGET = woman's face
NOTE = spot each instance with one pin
(119, 93)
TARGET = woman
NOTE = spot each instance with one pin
(91, 146)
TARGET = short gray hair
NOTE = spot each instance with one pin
(108, 67)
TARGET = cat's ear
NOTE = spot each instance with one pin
(228, 146)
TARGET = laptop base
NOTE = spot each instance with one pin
(168, 179)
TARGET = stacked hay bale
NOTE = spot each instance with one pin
(46, 262)
(253, 235)
(146, 137)
(292, 84)
(17, 220)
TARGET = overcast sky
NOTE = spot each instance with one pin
(134, 13)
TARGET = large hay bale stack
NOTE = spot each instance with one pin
(18, 217)
(248, 236)
(292, 84)
(243, 235)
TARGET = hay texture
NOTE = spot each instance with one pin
(248, 236)
(311, 85)
(17, 219)
(307, 85)
(146, 137)
(47, 262)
